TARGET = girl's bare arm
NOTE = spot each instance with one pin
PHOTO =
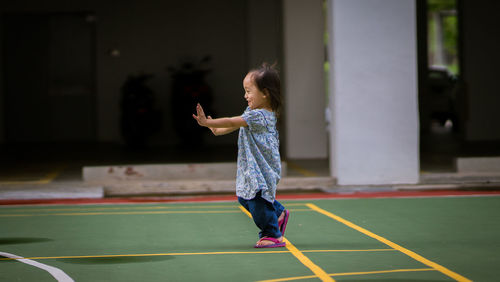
(219, 126)
(222, 131)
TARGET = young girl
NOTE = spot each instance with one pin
(259, 163)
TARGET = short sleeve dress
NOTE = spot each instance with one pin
(259, 162)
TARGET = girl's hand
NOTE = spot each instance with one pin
(200, 116)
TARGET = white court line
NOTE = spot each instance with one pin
(58, 274)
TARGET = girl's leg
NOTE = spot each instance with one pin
(279, 208)
(264, 216)
(243, 203)
(282, 215)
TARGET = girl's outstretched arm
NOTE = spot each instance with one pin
(219, 126)
(222, 131)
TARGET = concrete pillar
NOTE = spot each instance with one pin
(304, 90)
(373, 88)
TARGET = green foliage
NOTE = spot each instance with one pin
(449, 30)
(439, 5)
(450, 34)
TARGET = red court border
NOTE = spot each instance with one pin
(229, 198)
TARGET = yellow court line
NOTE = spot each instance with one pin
(145, 207)
(319, 272)
(46, 180)
(152, 255)
(130, 213)
(51, 176)
(122, 208)
(84, 209)
(350, 273)
(301, 170)
(347, 251)
(116, 213)
(194, 254)
(409, 253)
(382, 271)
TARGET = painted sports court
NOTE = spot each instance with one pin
(356, 237)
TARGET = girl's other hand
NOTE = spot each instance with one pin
(200, 116)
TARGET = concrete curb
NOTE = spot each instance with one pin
(75, 190)
(458, 178)
(60, 191)
(162, 172)
(287, 185)
(219, 178)
(478, 164)
(186, 187)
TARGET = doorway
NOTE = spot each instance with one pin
(49, 74)
(441, 94)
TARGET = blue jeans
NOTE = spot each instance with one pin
(264, 214)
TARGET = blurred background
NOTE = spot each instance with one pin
(106, 82)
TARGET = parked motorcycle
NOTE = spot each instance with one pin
(189, 88)
(139, 118)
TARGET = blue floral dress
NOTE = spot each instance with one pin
(259, 162)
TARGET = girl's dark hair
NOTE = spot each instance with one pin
(267, 79)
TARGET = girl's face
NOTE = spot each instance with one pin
(256, 99)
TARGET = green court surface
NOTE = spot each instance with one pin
(389, 239)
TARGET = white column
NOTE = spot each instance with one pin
(373, 88)
(304, 90)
